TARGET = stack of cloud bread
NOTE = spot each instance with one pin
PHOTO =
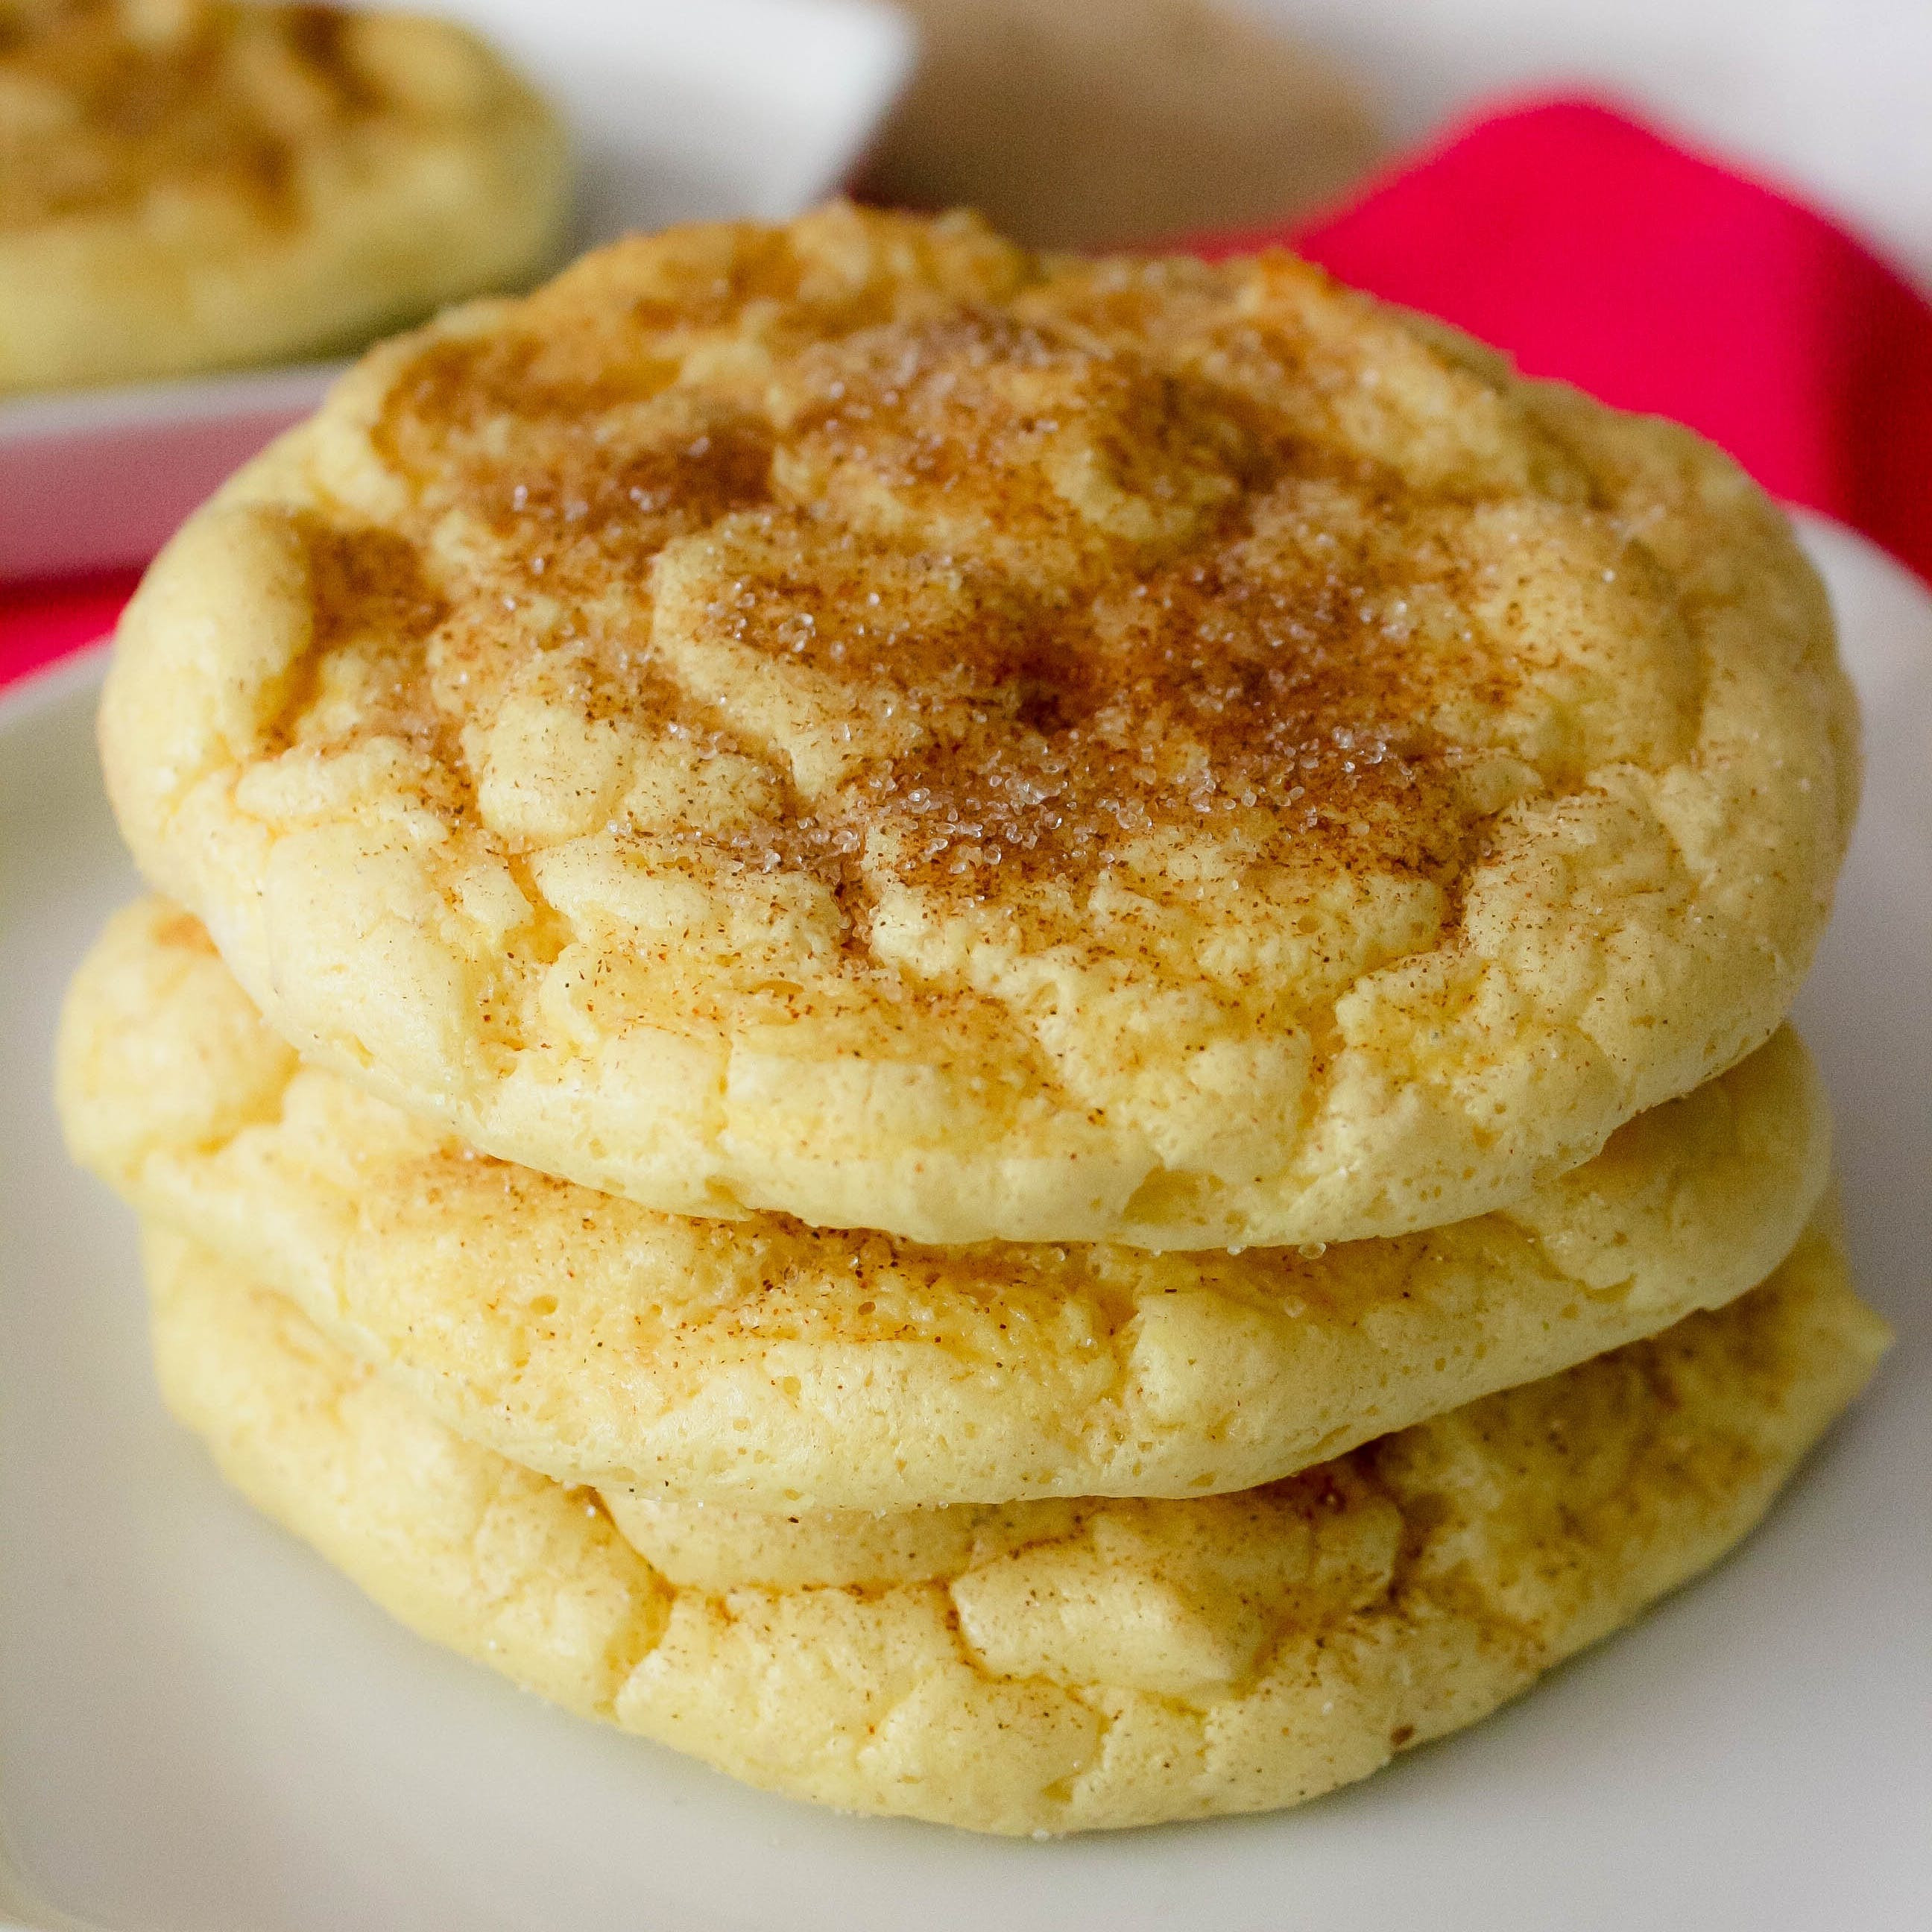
(1000, 1037)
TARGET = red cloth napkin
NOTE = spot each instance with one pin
(1589, 247)
(39, 623)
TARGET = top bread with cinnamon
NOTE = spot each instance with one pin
(859, 719)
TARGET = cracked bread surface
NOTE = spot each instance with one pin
(764, 1363)
(857, 720)
(188, 185)
(1090, 1665)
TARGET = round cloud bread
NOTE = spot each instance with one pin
(186, 184)
(1114, 1663)
(852, 720)
(762, 1363)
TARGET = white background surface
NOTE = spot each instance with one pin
(204, 1729)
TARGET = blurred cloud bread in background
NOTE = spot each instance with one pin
(195, 184)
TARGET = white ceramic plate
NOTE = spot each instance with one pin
(204, 1729)
(681, 110)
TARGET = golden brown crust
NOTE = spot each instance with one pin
(760, 1362)
(857, 720)
(1104, 1664)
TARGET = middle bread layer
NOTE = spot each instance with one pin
(766, 1364)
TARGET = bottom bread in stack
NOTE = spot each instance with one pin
(1040, 1539)
(1051, 1666)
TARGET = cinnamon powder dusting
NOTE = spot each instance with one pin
(1003, 572)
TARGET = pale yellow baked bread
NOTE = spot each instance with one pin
(189, 184)
(856, 720)
(1106, 1663)
(763, 1362)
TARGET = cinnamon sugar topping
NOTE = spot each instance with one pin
(1002, 572)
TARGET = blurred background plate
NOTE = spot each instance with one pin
(680, 109)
